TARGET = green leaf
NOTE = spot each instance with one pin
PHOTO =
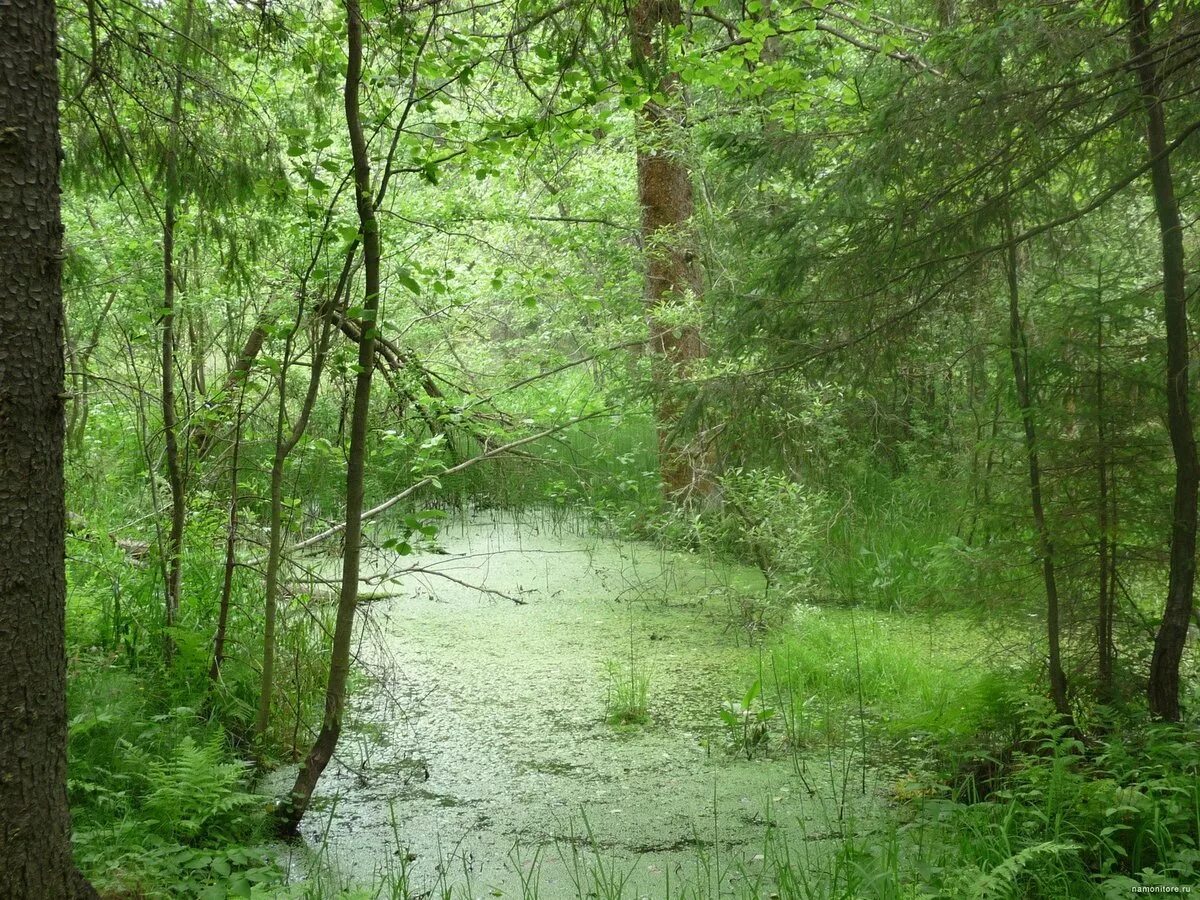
(406, 279)
(752, 693)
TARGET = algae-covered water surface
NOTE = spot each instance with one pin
(479, 749)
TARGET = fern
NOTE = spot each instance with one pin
(1001, 881)
(195, 796)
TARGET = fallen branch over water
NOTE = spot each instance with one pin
(329, 593)
(453, 470)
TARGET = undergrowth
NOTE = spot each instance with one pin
(992, 796)
(159, 802)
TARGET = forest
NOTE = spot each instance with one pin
(599, 448)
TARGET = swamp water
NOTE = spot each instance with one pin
(476, 751)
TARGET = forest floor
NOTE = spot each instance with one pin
(480, 752)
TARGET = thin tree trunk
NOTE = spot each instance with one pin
(672, 273)
(1163, 691)
(170, 420)
(197, 349)
(266, 688)
(35, 828)
(81, 402)
(283, 449)
(1113, 581)
(74, 377)
(214, 673)
(1104, 604)
(339, 663)
(1018, 347)
(175, 479)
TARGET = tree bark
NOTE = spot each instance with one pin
(1018, 348)
(1163, 690)
(35, 850)
(339, 664)
(672, 273)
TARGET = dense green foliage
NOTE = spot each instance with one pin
(931, 265)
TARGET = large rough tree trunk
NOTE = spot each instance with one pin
(1018, 349)
(35, 850)
(672, 270)
(1163, 690)
(339, 662)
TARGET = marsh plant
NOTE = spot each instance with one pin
(628, 688)
(745, 722)
(628, 693)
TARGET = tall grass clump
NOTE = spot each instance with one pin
(907, 675)
(627, 701)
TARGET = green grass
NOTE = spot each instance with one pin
(910, 674)
(627, 701)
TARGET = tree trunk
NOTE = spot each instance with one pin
(81, 379)
(672, 272)
(1104, 606)
(214, 673)
(174, 553)
(284, 445)
(1163, 693)
(266, 687)
(197, 349)
(175, 481)
(339, 663)
(1018, 348)
(35, 850)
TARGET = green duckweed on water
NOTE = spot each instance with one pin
(477, 750)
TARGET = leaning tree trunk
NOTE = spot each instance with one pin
(1018, 348)
(339, 662)
(1163, 690)
(672, 271)
(35, 849)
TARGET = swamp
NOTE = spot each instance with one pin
(618, 449)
